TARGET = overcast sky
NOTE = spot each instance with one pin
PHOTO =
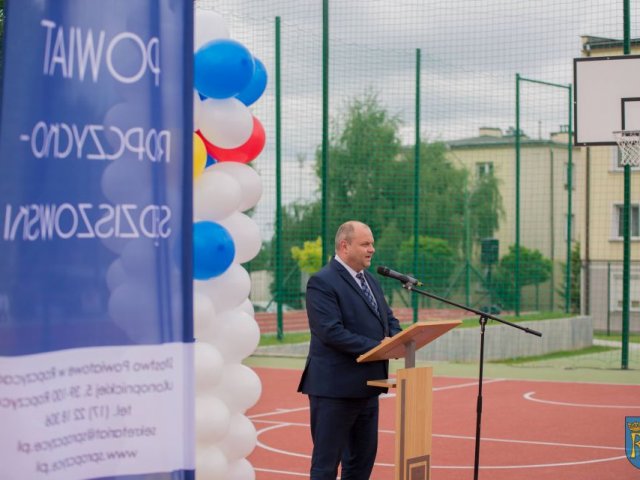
(471, 51)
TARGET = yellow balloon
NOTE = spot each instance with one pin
(199, 156)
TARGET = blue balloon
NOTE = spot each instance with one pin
(210, 161)
(213, 250)
(222, 68)
(257, 85)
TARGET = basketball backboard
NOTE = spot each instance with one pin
(606, 98)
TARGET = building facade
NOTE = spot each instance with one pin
(602, 249)
(594, 195)
(544, 199)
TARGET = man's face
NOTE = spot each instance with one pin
(358, 253)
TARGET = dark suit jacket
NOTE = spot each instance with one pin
(343, 326)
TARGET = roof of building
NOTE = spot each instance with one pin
(590, 42)
(494, 141)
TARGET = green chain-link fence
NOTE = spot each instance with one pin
(447, 128)
(486, 201)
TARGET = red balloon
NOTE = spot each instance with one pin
(207, 144)
(245, 152)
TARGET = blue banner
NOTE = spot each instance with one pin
(95, 230)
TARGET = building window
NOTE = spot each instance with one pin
(484, 168)
(634, 221)
(615, 298)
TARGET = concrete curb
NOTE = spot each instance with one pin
(501, 342)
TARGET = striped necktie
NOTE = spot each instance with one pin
(367, 291)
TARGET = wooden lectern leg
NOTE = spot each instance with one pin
(413, 396)
(413, 423)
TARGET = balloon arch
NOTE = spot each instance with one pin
(228, 79)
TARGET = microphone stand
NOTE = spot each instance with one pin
(484, 317)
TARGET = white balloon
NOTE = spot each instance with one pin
(209, 366)
(239, 387)
(208, 26)
(246, 236)
(209, 333)
(204, 313)
(139, 258)
(229, 290)
(241, 470)
(247, 307)
(237, 336)
(115, 274)
(248, 179)
(216, 195)
(241, 438)
(226, 123)
(118, 178)
(119, 122)
(211, 463)
(212, 420)
(197, 109)
(133, 305)
(115, 244)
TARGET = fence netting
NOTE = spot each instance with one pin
(448, 130)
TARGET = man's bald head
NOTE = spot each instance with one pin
(354, 244)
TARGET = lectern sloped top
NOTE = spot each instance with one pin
(418, 335)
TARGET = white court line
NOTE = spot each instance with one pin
(465, 467)
(520, 467)
(451, 387)
(281, 472)
(470, 384)
(529, 396)
(277, 450)
(278, 411)
(280, 422)
(529, 442)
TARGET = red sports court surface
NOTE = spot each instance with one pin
(530, 430)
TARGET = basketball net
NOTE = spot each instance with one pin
(629, 144)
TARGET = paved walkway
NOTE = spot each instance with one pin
(615, 343)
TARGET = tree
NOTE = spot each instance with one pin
(436, 262)
(309, 257)
(574, 272)
(534, 269)
(371, 177)
(300, 222)
(364, 154)
(485, 205)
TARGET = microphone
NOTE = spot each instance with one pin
(387, 272)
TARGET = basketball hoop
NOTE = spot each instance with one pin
(629, 144)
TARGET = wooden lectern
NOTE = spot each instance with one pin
(414, 395)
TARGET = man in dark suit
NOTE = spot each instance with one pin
(348, 316)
